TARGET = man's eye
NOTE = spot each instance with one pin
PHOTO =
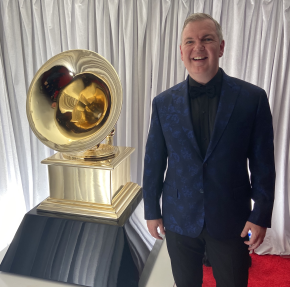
(189, 42)
(207, 39)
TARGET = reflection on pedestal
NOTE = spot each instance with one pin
(77, 251)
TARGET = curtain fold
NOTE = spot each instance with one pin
(141, 39)
(12, 201)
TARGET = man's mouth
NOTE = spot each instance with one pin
(199, 58)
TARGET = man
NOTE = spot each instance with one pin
(205, 130)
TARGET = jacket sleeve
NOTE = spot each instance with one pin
(262, 165)
(154, 166)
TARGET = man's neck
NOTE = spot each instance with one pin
(202, 78)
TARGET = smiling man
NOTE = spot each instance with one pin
(201, 49)
(207, 130)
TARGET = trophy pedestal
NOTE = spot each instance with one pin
(95, 189)
(76, 251)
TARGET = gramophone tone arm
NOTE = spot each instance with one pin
(109, 138)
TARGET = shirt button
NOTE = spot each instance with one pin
(201, 190)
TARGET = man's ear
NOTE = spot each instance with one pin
(181, 53)
(222, 47)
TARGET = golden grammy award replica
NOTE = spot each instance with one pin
(82, 233)
(73, 104)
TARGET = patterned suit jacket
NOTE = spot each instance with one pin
(216, 189)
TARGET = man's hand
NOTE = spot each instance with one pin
(257, 237)
(153, 225)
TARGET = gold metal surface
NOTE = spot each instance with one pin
(109, 138)
(100, 189)
(82, 105)
(108, 211)
(97, 153)
(61, 159)
(74, 101)
(88, 184)
(120, 221)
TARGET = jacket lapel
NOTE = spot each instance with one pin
(229, 94)
(182, 107)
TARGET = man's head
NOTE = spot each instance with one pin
(201, 46)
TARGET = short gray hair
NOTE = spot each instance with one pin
(202, 16)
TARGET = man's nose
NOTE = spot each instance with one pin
(198, 46)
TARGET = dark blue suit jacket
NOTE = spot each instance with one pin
(216, 189)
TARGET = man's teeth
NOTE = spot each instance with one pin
(199, 58)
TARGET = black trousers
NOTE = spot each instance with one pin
(229, 259)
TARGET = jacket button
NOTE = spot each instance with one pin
(205, 165)
(201, 190)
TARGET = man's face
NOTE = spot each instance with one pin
(201, 49)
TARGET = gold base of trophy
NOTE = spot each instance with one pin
(87, 209)
(94, 189)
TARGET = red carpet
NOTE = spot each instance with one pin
(266, 271)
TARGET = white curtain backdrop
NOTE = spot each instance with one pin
(141, 40)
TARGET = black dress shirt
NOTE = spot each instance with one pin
(204, 109)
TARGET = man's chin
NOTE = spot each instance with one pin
(198, 71)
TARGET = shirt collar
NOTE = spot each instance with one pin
(216, 79)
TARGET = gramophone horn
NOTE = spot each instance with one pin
(74, 101)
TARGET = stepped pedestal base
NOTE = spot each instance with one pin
(78, 250)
